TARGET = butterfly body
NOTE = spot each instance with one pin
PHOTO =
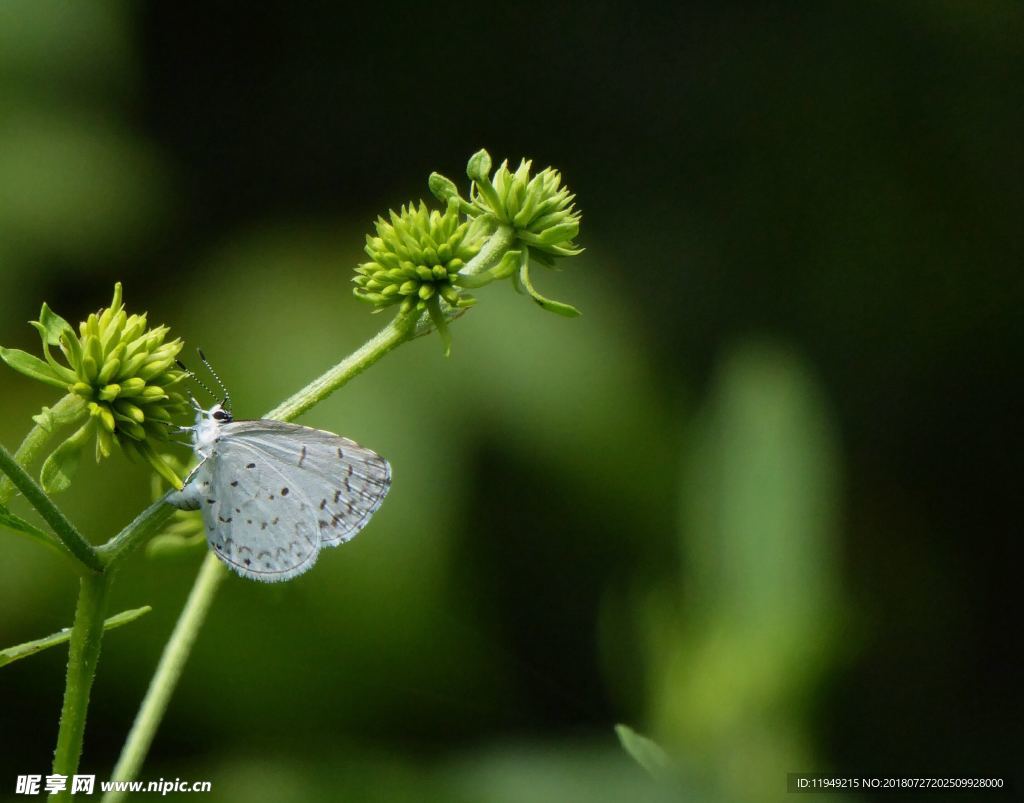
(272, 494)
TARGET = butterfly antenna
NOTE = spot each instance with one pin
(227, 396)
(198, 381)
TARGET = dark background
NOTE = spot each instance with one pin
(802, 229)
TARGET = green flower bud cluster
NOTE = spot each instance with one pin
(424, 261)
(123, 374)
(540, 209)
(536, 215)
(415, 259)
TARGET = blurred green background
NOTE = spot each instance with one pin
(754, 503)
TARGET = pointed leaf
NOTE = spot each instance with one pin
(647, 753)
(69, 411)
(558, 307)
(32, 647)
(479, 165)
(32, 367)
(441, 324)
(60, 467)
(442, 188)
(51, 326)
(552, 235)
(45, 419)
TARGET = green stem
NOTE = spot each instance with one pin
(168, 671)
(62, 527)
(36, 440)
(146, 524)
(83, 655)
(212, 573)
(500, 241)
(396, 332)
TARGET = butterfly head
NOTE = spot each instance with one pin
(208, 424)
(208, 421)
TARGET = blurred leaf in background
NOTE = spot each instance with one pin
(758, 617)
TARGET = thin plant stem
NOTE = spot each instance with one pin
(396, 332)
(168, 671)
(212, 572)
(83, 655)
(62, 527)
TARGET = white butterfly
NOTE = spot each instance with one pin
(272, 494)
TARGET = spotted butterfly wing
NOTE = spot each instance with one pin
(272, 494)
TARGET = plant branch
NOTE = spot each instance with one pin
(396, 332)
(83, 655)
(168, 671)
(146, 524)
(62, 527)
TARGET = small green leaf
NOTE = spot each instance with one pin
(647, 753)
(69, 411)
(558, 307)
(51, 326)
(442, 188)
(32, 367)
(554, 235)
(441, 324)
(32, 647)
(60, 467)
(71, 346)
(479, 166)
(45, 419)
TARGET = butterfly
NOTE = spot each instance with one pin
(273, 494)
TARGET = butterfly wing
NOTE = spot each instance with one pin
(252, 528)
(344, 482)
